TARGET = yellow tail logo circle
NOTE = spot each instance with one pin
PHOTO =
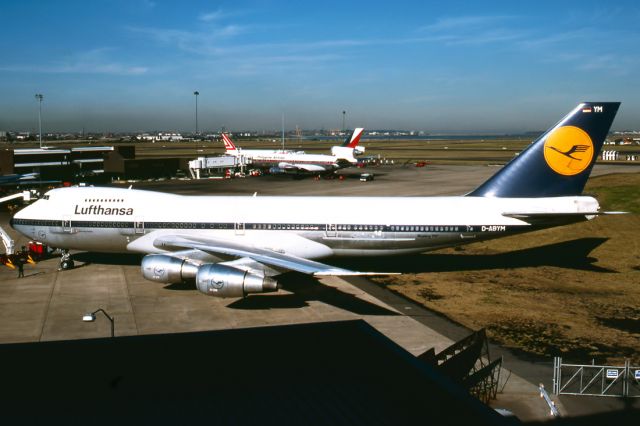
(568, 150)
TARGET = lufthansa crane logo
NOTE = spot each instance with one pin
(568, 150)
(217, 284)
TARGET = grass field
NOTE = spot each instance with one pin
(572, 291)
(497, 151)
(441, 151)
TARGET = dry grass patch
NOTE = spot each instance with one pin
(572, 291)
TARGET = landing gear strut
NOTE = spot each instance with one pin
(65, 261)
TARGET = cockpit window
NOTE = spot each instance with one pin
(46, 197)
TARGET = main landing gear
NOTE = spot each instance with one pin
(65, 261)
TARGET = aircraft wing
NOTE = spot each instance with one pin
(537, 217)
(311, 168)
(526, 216)
(268, 257)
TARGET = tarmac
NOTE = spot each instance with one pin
(48, 304)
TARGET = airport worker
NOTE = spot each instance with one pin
(20, 266)
(21, 259)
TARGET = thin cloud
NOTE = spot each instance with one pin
(109, 69)
(95, 61)
(219, 14)
(473, 30)
(554, 39)
(221, 41)
(464, 22)
(611, 64)
(212, 16)
(197, 42)
(268, 64)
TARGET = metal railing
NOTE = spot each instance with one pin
(596, 380)
(553, 410)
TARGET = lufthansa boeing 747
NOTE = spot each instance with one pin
(232, 245)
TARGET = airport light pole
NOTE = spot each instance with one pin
(196, 93)
(92, 317)
(39, 97)
(344, 114)
(283, 132)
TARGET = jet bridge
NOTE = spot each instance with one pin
(7, 241)
(206, 166)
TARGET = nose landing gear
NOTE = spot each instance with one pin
(65, 261)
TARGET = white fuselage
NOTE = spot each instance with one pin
(266, 158)
(128, 220)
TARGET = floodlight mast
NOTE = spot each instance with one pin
(196, 93)
(283, 132)
(39, 97)
(344, 114)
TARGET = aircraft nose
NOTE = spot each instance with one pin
(15, 219)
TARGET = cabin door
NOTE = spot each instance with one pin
(66, 224)
(331, 230)
(239, 228)
(138, 226)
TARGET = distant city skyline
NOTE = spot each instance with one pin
(493, 67)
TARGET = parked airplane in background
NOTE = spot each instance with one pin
(299, 162)
(233, 246)
(350, 142)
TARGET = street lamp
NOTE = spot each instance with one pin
(39, 97)
(196, 93)
(92, 317)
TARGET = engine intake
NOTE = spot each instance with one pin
(225, 281)
(167, 269)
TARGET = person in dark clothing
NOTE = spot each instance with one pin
(21, 259)
(20, 266)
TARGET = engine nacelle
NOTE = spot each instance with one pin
(163, 268)
(225, 281)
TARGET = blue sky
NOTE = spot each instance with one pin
(454, 66)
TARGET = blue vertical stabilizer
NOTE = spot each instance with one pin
(559, 162)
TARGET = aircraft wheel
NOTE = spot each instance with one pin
(66, 264)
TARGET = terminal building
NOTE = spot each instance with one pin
(54, 163)
(97, 163)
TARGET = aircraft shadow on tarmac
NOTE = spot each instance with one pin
(572, 254)
(305, 288)
(108, 258)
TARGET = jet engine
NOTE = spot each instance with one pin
(168, 269)
(225, 281)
